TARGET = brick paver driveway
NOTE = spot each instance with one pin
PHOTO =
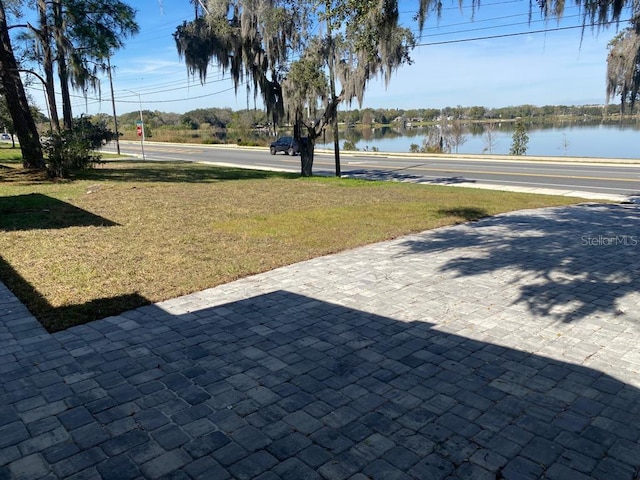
(503, 349)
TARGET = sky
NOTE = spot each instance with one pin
(492, 58)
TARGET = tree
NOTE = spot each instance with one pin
(438, 139)
(519, 140)
(257, 40)
(490, 136)
(476, 112)
(623, 67)
(86, 33)
(75, 36)
(565, 144)
(622, 71)
(6, 123)
(46, 59)
(216, 117)
(368, 116)
(457, 135)
(13, 92)
(72, 33)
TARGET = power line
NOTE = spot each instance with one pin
(173, 89)
(200, 96)
(96, 101)
(176, 85)
(213, 77)
(466, 22)
(493, 4)
(493, 27)
(206, 95)
(515, 34)
(499, 26)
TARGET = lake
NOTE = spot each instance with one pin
(573, 139)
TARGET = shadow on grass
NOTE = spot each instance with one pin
(466, 213)
(174, 172)
(59, 318)
(573, 262)
(36, 211)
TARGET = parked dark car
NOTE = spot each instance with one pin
(288, 145)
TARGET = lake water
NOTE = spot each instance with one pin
(588, 139)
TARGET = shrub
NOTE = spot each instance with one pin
(72, 150)
(212, 141)
(519, 140)
(348, 145)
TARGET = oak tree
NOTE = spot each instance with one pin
(304, 58)
(623, 67)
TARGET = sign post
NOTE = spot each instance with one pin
(140, 133)
(140, 124)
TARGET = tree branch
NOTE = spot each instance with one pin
(35, 74)
(20, 25)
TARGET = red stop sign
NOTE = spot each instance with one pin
(139, 130)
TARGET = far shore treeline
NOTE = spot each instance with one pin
(251, 126)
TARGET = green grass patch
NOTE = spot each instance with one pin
(9, 155)
(129, 232)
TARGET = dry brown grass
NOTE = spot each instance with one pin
(130, 233)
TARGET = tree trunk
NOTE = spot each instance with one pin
(47, 65)
(63, 71)
(307, 146)
(23, 123)
(336, 145)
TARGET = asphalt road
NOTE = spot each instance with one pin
(589, 176)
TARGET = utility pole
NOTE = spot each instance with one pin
(113, 105)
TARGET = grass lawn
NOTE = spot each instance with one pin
(129, 232)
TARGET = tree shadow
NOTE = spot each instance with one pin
(291, 385)
(35, 211)
(573, 262)
(469, 214)
(54, 319)
(175, 172)
(398, 176)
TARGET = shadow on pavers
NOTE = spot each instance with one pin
(575, 274)
(291, 385)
